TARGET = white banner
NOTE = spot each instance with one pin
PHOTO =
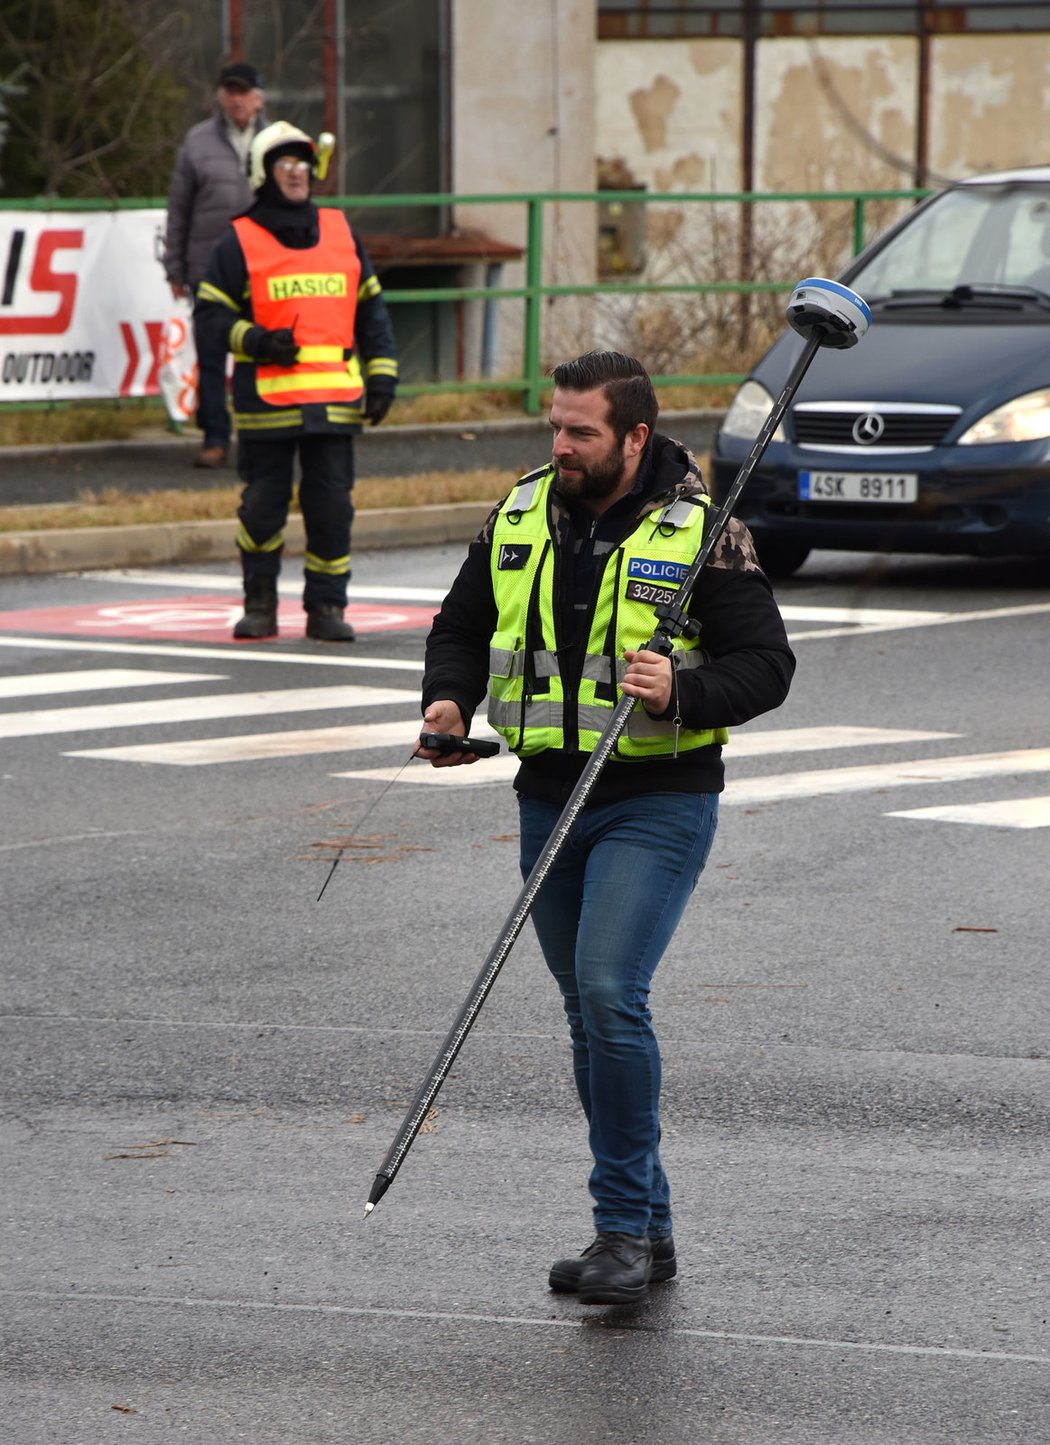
(85, 310)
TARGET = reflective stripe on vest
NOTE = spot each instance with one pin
(528, 703)
(313, 292)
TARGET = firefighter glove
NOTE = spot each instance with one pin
(378, 401)
(278, 346)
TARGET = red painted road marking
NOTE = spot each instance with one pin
(195, 618)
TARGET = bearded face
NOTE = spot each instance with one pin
(590, 461)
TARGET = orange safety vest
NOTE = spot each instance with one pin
(313, 292)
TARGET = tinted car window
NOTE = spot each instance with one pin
(980, 234)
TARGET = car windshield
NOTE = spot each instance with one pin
(976, 235)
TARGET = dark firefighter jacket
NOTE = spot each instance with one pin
(748, 667)
(224, 299)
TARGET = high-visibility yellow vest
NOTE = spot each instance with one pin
(528, 702)
(314, 293)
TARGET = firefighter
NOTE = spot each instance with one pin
(291, 292)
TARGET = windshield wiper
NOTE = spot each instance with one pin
(989, 295)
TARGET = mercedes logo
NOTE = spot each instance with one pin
(868, 428)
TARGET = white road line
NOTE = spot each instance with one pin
(249, 747)
(266, 653)
(864, 616)
(826, 783)
(856, 617)
(273, 654)
(286, 587)
(59, 842)
(546, 1321)
(768, 741)
(290, 587)
(30, 685)
(991, 614)
(195, 709)
(842, 621)
(1007, 813)
(485, 770)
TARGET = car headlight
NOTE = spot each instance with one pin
(747, 411)
(1025, 419)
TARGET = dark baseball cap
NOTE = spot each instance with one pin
(242, 74)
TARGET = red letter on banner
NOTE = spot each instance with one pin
(43, 278)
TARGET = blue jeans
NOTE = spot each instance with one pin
(604, 915)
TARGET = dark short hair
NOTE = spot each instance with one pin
(625, 382)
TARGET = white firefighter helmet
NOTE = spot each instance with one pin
(280, 136)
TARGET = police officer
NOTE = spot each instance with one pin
(550, 613)
(293, 295)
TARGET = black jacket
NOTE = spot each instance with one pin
(750, 663)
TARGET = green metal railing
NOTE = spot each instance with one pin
(534, 291)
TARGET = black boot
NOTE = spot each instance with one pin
(324, 623)
(260, 608)
(566, 1273)
(617, 1270)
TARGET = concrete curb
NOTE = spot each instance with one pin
(81, 549)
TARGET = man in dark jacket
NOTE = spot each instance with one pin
(551, 613)
(208, 188)
(291, 292)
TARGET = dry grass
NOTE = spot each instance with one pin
(111, 508)
(119, 421)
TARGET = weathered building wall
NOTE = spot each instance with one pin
(523, 120)
(539, 104)
(671, 111)
(668, 118)
(989, 103)
(833, 113)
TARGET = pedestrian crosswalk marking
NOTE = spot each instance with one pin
(1005, 813)
(253, 747)
(101, 679)
(286, 587)
(235, 652)
(778, 787)
(766, 743)
(924, 619)
(195, 709)
(846, 620)
(250, 747)
(748, 742)
(485, 770)
(292, 587)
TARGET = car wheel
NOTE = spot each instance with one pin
(780, 558)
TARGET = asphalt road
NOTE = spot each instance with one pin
(203, 1066)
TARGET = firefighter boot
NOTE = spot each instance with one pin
(324, 623)
(260, 608)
